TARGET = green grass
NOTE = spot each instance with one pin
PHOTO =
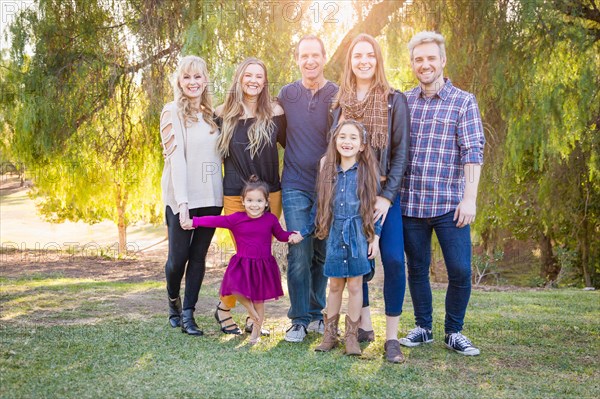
(71, 338)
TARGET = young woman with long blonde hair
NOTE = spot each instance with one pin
(252, 124)
(189, 139)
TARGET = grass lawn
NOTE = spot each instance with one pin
(71, 335)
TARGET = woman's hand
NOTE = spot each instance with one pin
(184, 216)
(373, 250)
(189, 225)
(382, 206)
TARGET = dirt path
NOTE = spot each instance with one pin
(22, 228)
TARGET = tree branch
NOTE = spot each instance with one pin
(168, 51)
(121, 71)
(577, 9)
(581, 14)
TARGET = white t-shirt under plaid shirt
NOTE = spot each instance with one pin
(445, 134)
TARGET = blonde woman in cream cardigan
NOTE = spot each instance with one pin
(191, 186)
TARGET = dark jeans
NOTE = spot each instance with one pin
(306, 281)
(456, 248)
(187, 247)
(391, 245)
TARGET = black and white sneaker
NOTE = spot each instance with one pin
(460, 344)
(417, 336)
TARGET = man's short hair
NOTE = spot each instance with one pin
(427, 37)
(309, 37)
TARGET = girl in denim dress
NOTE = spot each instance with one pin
(346, 189)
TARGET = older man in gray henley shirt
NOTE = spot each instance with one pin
(306, 103)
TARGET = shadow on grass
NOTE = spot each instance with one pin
(58, 302)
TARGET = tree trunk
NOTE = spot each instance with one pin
(121, 200)
(584, 250)
(549, 267)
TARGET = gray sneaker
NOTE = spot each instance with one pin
(316, 326)
(295, 333)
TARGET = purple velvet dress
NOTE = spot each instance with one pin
(252, 272)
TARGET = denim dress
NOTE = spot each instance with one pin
(347, 246)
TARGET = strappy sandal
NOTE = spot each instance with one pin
(228, 329)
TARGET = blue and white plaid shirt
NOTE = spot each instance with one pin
(445, 134)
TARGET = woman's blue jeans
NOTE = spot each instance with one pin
(391, 245)
(456, 249)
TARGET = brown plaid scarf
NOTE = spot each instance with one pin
(372, 111)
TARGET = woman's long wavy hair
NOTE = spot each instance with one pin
(348, 80)
(368, 180)
(192, 64)
(259, 134)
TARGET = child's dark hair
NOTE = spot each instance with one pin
(368, 183)
(254, 183)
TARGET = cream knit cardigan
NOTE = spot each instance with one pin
(192, 171)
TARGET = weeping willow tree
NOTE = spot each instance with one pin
(107, 171)
(84, 83)
(84, 79)
(551, 158)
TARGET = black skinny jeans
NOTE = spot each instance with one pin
(187, 247)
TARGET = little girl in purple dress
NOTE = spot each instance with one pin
(252, 275)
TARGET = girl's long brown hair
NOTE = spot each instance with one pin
(368, 180)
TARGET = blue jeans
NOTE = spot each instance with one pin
(391, 245)
(456, 248)
(306, 281)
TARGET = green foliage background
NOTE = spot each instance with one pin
(83, 84)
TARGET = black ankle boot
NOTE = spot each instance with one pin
(188, 324)
(175, 312)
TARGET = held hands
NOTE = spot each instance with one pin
(295, 238)
(373, 249)
(189, 225)
(184, 217)
(382, 206)
(465, 212)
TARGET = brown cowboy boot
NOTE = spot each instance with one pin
(351, 336)
(330, 336)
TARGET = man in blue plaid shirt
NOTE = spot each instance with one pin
(439, 190)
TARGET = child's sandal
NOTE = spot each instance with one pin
(250, 324)
(255, 340)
